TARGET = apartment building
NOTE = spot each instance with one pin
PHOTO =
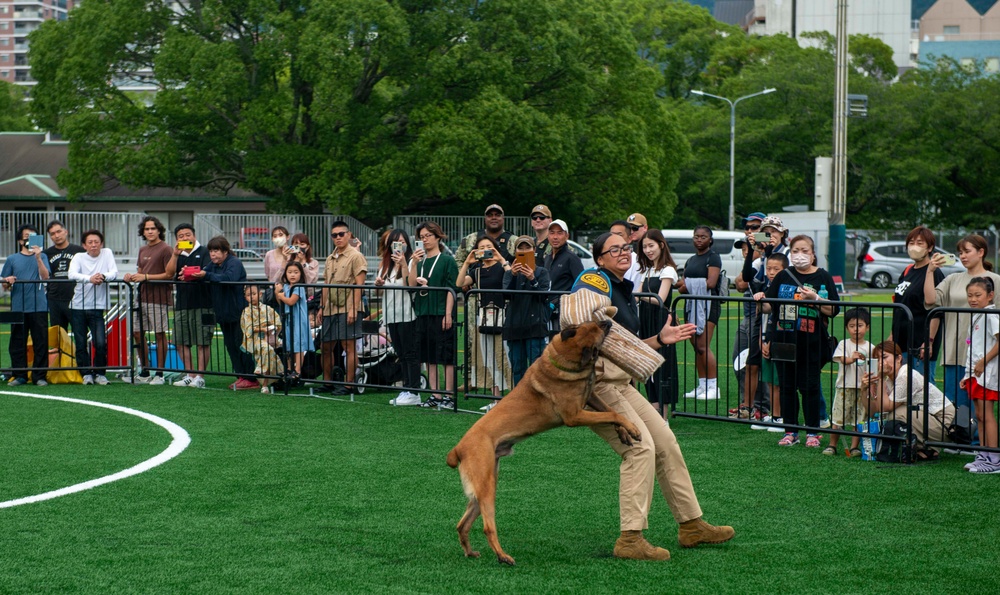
(18, 18)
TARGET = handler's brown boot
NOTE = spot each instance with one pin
(632, 545)
(697, 531)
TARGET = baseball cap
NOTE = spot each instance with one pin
(559, 223)
(524, 240)
(755, 216)
(637, 219)
(494, 207)
(544, 210)
(773, 221)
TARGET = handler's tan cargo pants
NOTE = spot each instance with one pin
(656, 458)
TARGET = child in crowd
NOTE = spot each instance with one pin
(291, 293)
(774, 264)
(982, 380)
(261, 325)
(853, 355)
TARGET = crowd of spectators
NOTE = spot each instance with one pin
(512, 287)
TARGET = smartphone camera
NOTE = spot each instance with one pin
(761, 237)
(294, 250)
(398, 247)
(487, 254)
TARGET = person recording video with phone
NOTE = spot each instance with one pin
(28, 264)
(194, 302)
(484, 268)
(526, 325)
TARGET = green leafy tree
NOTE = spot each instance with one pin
(364, 106)
(14, 115)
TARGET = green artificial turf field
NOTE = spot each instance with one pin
(307, 495)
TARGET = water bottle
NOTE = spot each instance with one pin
(823, 293)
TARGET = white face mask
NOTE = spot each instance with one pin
(799, 260)
(279, 241)
(916, 252)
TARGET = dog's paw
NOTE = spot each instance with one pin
(634, 432)
(623, 435)
(472, 554)
(505, 559)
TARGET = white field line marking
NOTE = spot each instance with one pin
(180, 441)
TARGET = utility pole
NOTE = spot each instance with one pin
(837, 248)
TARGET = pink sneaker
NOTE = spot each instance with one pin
(244, 384)
(789, 440)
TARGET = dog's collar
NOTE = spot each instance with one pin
(557, 366)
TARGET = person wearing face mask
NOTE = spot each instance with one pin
(951, 293)
(276, 259)
(799, 329)
(916, 288)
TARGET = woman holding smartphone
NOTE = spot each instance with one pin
(397, 311)
(432, 267)
(484, 268)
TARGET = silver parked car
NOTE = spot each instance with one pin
(880, 264)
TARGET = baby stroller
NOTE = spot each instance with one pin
(377, 360)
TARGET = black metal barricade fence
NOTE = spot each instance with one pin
(86, 338)
(289, 339)
(964, 333)
(753, 399)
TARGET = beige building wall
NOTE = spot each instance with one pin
(956, 20)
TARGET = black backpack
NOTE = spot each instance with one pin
(893, 451)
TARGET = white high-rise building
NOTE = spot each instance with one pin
(888, 20)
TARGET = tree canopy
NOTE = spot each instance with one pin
(367, 107)
(14, 115)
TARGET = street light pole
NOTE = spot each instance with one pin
(732, 146)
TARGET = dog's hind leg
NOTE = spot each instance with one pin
(465, 525)
(487, 503)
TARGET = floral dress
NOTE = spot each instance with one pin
(261, 324)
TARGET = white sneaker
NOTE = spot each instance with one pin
(764, 419)
(824, 423)
(186, 381)
(707, 393)
(157, 380)
(406, 398)
(198, 382)
(101, 379)
(778, 428)
(138, 379)
(691, 393)
(88, 379)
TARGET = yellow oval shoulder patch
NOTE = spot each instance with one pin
(596, 281)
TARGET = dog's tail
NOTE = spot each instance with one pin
(453, 458)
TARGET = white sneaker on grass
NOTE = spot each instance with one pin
(777, 428)
(101, 379)
(763, 420)
(405, 398)
(186, 381)
(138, 379)
(198, 382)
(88, 379)
(157, 381)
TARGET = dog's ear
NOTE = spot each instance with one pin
(568, 333)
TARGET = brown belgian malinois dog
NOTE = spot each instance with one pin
(553, 392)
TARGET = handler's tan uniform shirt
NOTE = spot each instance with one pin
(342, 269)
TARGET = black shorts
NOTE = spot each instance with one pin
(435, 345)
(754, 357)
(714, 311)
